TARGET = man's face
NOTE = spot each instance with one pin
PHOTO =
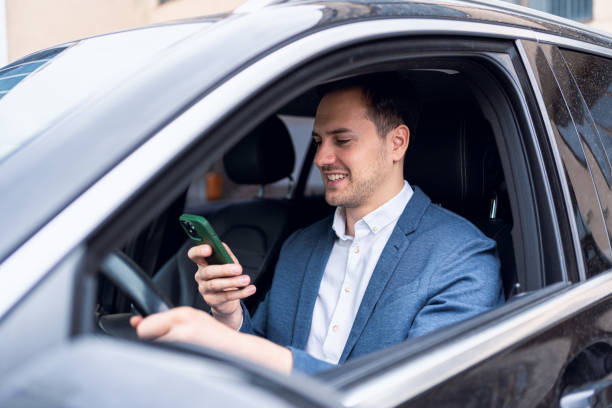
(353, 159)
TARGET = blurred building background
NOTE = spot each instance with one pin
(597, 13)
(30, 25)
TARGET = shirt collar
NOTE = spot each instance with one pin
(377, 219)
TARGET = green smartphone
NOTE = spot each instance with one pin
(199, 230)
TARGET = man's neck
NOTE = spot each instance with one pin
(352, 215)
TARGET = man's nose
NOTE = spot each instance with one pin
(325, 155)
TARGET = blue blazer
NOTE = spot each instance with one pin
(436, 269)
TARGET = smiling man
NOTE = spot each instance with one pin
(389, 265)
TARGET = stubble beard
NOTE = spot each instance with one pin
(360, 189)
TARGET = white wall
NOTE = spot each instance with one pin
(602, 15)
(3, 35)
(32, 25)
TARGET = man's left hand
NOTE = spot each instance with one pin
(189, 325)
(184, 324)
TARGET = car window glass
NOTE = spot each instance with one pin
(300, 128)
(593, 76)
(314, 185)
(587, 212)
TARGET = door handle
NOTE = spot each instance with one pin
(593, 395)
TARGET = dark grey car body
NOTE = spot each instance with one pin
(123, 149)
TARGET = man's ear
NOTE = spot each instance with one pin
(400, 137)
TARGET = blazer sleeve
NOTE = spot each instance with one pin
(256, 324)
(466, 283)
(302, 361)
(305, 363)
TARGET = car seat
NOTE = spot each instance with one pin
(453, 158)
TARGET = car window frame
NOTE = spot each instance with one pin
(245, 111)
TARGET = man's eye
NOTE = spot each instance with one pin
(316, 142)
(342, 141)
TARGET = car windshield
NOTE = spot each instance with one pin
(39, 90)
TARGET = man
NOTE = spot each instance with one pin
(389, 265)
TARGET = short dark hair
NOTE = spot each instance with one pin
(391, 100)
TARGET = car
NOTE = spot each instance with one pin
(104, 142)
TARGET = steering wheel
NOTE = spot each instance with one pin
(137, 285)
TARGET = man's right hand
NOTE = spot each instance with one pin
(221, 286)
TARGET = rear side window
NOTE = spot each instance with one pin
(593, 76)
(576, 142)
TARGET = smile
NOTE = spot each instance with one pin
(334, 177)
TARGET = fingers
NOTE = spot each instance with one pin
(183, 324)
(223, 284)
(157, 325)
(154, 326)
(218, 271)
(135, 320)
(218, 298)
(198, 254)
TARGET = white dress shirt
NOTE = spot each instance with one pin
(347, 274)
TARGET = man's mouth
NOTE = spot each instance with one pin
(333, 180)
(335, 177)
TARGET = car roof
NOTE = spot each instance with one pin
(493, 11)
(80, 146)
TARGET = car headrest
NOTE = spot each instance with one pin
(453, 157)
(264, 156)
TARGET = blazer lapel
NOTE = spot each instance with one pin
(310, 289)
(397, 244)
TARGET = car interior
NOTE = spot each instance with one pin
(452, 156)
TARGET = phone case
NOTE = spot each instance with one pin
(200, 232)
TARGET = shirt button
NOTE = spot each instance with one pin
(335, 328)
(347, 289)
(375, 229)
(356, 250)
